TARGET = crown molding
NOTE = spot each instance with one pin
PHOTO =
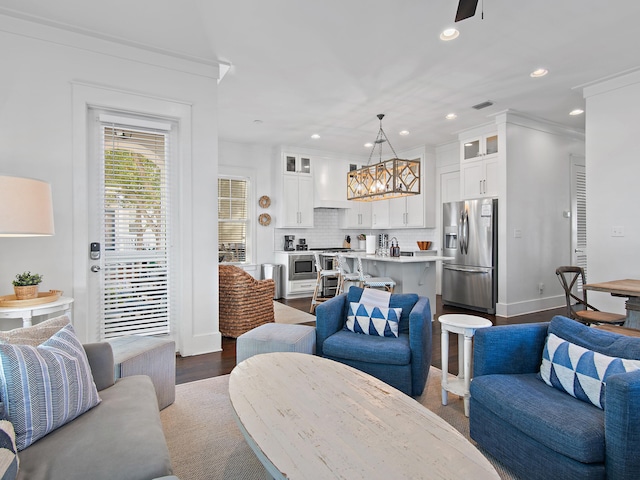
(38, 28)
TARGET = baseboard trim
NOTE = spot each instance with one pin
(529, 306)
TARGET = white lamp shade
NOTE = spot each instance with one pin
(26, 209)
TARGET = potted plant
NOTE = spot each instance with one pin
(26, 285)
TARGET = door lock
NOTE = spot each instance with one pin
(95, 268)
(94, 251)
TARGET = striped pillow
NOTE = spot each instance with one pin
(46, 386)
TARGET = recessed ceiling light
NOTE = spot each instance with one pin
(315, 136)
(404, 133)
(539, 72)
(577, 111)
(368, 144)
(257, 122)
(451, 116)
(449, 34)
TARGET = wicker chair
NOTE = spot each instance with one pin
(245, 303)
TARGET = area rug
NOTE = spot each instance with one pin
(206, 444)
(286, 314)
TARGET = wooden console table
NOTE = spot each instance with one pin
(309, 417)
(62, 305)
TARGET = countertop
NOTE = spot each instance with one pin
(424, 258)
(401, 259)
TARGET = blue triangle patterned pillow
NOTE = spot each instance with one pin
(580, 372)
(373, 320)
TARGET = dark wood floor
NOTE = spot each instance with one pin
(197, 367)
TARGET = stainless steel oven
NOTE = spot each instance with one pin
(302, 266)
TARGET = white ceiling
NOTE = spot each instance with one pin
(329, 66)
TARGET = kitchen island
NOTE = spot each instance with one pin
(412, 274)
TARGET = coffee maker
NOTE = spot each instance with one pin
(288, 243)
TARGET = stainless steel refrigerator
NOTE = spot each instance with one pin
(470, 233)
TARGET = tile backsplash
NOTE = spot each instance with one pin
(327, 233)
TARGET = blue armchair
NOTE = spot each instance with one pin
(401, 362)
(541, 432)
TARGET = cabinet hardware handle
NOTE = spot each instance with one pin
(480, 186)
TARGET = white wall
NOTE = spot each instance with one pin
(537, 192)
(255, 162)
(613, 170)
(40, 67)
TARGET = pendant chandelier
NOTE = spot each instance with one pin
(386, 179)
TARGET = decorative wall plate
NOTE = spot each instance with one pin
(264, 201)
(264, 219)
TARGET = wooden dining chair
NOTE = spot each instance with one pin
(581, 310)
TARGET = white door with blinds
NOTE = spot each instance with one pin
(579, 216)
(130, 218)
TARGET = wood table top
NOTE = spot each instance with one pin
(309, 417)
(627, 287)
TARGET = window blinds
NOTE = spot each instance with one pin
(581, 223)
(232, 219)
(134, 198)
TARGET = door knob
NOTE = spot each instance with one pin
(95, 268)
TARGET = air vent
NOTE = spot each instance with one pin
(482, 105)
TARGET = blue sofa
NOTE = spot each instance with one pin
(401, 362)
(540, 431)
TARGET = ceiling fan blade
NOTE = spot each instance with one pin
(466, 9)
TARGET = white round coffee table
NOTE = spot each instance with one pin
(465, 326)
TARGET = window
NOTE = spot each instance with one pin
(134, 202)
(233, 219)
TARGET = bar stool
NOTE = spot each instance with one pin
(346, 275)
(321, 274)
(367, 281)
(465, 326)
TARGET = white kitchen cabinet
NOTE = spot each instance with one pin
(296, 165)
(481, 146)
(358, 216)
(479, 178)
(301, 286)
(407, 212)
(297, 205)
(380, 214)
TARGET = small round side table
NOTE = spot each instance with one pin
(465, 326)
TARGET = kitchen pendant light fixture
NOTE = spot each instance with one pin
(384, 180)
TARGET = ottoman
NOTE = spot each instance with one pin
(276, 337)
(151, 356)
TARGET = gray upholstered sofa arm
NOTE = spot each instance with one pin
(100, 356)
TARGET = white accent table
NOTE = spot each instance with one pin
(309, 417)
(62, 305)
(465, 326)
